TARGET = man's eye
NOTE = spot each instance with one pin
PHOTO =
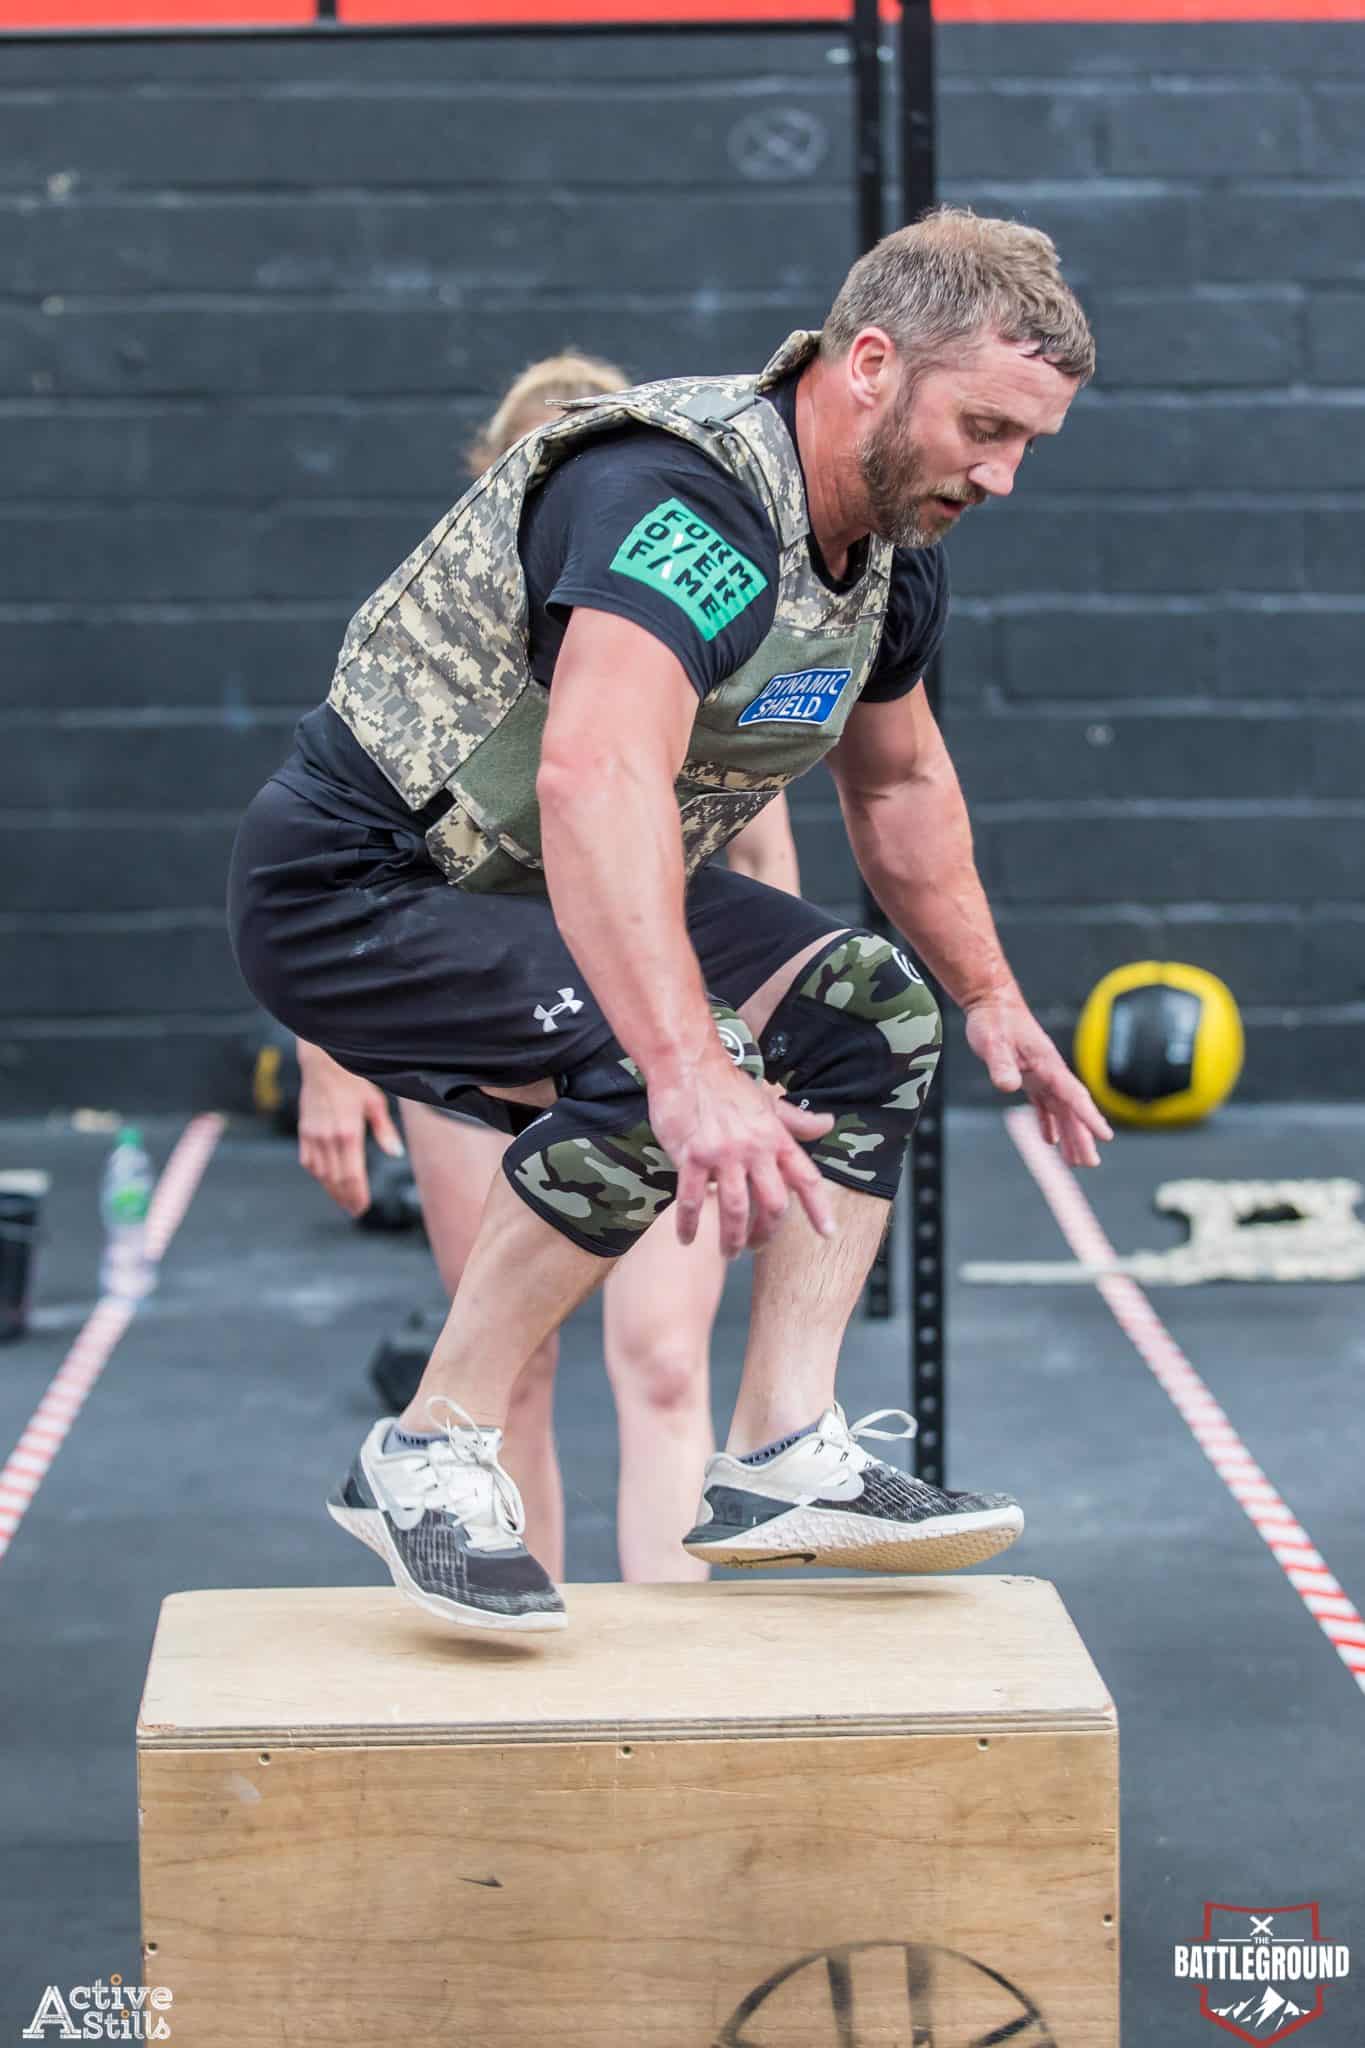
(981, 432)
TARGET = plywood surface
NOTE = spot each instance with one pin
(765, 1893)
(361, 1666)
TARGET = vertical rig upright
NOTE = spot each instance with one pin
(928, 1292)
(914, 101)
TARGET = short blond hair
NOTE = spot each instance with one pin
(542, 387)
(953, 275)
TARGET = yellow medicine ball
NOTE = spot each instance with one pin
(1159, 1043)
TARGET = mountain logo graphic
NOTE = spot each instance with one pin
(1261, 2012)
(1261, 1971)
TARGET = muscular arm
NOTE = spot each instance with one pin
(908, 826)
(621, 711)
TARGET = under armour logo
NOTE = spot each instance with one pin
(567, 1001)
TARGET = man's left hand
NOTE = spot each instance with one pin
(1017, 1053)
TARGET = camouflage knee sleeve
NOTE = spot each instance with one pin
(591, 1166)
(858, 1036)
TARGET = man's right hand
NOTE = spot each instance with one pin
(336, 1109)
(721, 1127)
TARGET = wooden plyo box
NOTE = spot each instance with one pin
(822, 1813)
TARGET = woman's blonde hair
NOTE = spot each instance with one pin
(953, 275)
(541, 389)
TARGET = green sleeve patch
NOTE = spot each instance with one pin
(675, 552)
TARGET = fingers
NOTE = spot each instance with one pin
(1079, 1121)
(1060, 1127)
(1091, 1116)
(802, 1177)
(752, 1200)
(692, 1185)
(732, 1202)
(746, 1148)
(335, 1109)
(350, 1183)
(799, 1172)
(805, 1124)
(381, 1124)
(1082, 1124)
(997, 1050)
(1078, 1147)
(338, 1162)
(805, 1180)
(1003, 1069)
(1073, 1126)
(768, 1203)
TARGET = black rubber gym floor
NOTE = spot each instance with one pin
(203, 1454)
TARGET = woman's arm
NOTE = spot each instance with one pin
(336, 1109)
(766, 851)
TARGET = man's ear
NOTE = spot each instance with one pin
(873, 366)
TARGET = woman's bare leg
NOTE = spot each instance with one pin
(455, 1164)
(658, 1307)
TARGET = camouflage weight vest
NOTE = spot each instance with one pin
(434, 681)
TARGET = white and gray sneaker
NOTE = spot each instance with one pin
(448, 1521)
(820, 1498)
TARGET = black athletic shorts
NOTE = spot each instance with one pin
(355, 941)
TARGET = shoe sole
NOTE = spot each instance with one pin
(370, 1526)
(856, 1543)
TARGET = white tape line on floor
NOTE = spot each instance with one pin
(28, 1463)
(1279, 1527)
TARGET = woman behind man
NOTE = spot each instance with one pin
(660, 1300)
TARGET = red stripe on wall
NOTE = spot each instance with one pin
(629, 13)
(206, 14)
(1149, 10)
(564, 13)
(78, 14)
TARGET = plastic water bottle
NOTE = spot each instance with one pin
(126, 1269)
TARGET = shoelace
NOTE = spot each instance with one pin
(845, 1443)
(473, 1447)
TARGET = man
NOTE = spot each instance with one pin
(625, 639)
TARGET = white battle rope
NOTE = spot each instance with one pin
(1239, 1230)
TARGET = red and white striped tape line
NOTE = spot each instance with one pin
(1290, 1543)
(27, 1465)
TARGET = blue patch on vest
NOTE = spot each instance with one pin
(806, 698)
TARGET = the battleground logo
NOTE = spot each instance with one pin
(1261, 1973)
(102, 2012)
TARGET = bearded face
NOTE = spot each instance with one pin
(907, 504)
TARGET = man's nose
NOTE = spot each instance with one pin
(995, 475)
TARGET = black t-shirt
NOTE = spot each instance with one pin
(603, 531)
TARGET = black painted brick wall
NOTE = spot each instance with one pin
(1157, 709)
(258, 294)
